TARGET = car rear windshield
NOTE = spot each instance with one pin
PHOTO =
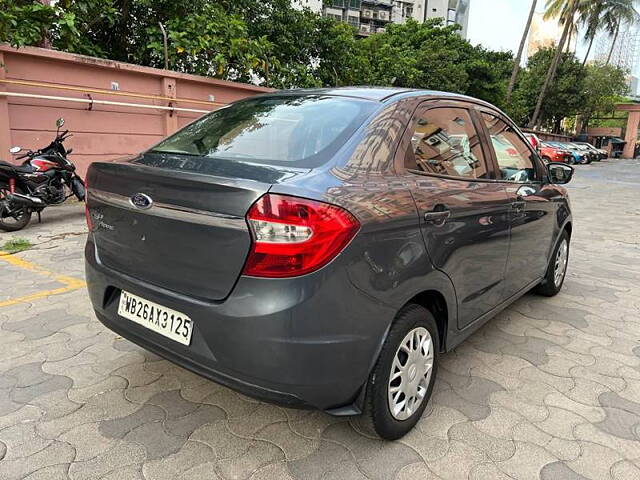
(299, 131)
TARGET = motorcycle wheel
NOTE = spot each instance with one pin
(12, 221)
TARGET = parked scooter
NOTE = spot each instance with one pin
(46, 177)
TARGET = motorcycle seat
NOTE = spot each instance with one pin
(26, 168)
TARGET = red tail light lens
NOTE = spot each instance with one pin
(293, 236)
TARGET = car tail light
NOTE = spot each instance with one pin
(87, 214)
(293, 236)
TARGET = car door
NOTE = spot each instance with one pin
(532, 207)
(464, 212)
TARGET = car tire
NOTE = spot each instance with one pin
(553, 279)
(412, 324)
(546, 159)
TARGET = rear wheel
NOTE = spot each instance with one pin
(557, 269)
(402, 380)
(546, 159)
(12, 218)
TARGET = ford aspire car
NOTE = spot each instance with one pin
(323, 248)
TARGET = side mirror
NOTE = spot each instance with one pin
(60, 122)
(15, 150)
(559, 173)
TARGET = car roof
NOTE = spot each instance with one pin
(369, 93)
(379, 94)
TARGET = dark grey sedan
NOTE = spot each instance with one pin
(322, 248)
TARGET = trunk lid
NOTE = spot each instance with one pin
(177, 222)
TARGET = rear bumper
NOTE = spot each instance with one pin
(305, 342)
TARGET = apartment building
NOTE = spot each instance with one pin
(373, 16)
(453, 11)
(405, 9)
(368, 16)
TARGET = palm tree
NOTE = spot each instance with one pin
(523, 41)
(617, 13)
(591, 19)
(566, 11)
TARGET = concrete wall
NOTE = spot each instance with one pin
(100, 131)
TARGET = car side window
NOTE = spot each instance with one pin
(515, 159)
(444, 141)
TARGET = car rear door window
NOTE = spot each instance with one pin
(514, 156)
(445, 142)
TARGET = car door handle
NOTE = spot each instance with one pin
(438, 217)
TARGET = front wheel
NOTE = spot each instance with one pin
(402, 380)
(556, 270)
(12, 218)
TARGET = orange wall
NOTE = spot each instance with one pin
(102, 131)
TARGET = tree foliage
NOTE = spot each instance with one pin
(209, 41)
(604, 87)
(268, 42)
(563, 98)
(577, 90)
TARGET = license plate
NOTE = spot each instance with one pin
(165, 321)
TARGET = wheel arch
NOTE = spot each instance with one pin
(436, 303)
(568, 227)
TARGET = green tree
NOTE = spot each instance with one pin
(616, 13)
(563, 99)
(565, 11)
(63, 25)
(604, 86)
(417, 55)
(489, 73)
(209, 41)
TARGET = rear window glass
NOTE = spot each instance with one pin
(291, 130)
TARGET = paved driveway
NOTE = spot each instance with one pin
(549, 389)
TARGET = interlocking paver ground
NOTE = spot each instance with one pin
(549, 389)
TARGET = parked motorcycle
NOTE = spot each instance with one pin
(46, 177)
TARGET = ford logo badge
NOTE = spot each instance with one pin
(141, 201)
